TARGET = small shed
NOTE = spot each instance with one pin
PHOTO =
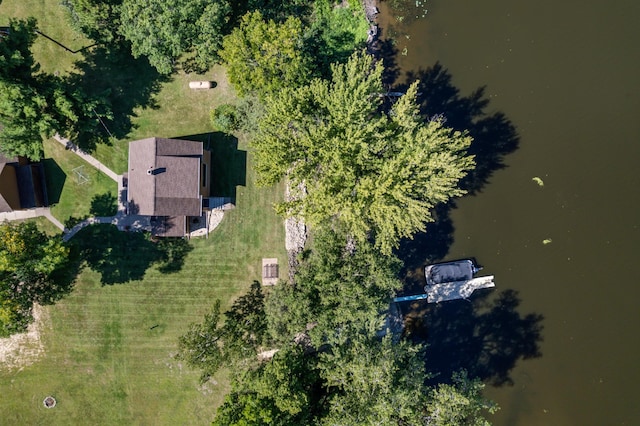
(270, 271)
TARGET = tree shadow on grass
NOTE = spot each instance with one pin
(109, 72)
(104, 205)
(228, 163)
(485, 336)
(121, 257)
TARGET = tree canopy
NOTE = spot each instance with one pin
(97, 19)
(331, 366)
(164, 31)
(336, 286)
(263, 57)
(30, 264)
(377, 174)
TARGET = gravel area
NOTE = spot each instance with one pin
(23, 349)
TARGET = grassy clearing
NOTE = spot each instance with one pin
(108, 348)
(68, 196)
(174, 111)
(52, 21)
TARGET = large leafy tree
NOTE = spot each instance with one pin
(97, 19)
(377, 174)
(263, 56)
(30, 265)
(165, 30)
(337, 285)
(373, 381)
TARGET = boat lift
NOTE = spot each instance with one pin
(450, 291)
(450, 281)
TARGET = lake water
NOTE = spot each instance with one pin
(558, 338)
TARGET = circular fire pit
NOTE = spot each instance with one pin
(49, 402)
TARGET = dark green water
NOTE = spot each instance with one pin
(566, 75)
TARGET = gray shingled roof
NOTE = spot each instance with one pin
(164, 177)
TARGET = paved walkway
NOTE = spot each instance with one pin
(86, 157)
(30, 214)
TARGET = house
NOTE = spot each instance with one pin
(168, 180)
(22, 184)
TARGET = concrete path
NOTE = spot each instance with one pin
(86, 157)
(30, 214)
(121, 221)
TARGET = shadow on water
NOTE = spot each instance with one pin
(228, 163)
(121, 257)
(494, 136)
(485, 336)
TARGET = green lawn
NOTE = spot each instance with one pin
(69, 193)
(52, 21)
(108, 346)
(108, 349)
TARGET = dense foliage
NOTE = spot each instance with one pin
(336, 286)
(29, 264)
(263, 57)
(333, 363)
(163, 31)
(377, 174)
(97, 19)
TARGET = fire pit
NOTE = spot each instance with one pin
(49, 402)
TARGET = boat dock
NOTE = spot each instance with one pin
(457, 289)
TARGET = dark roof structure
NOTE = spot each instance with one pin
(164, 177)
(22, 184)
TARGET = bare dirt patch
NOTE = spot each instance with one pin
(21, 350)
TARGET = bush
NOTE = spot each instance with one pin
(249, 112)
(225, 118)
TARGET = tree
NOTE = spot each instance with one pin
(335, 286)
(263, 57)
(29, 264)
(376, 174)
(163, 31)
(373, 381)
(97, 19)
(210, 345)
(459, 403)
(16, 60)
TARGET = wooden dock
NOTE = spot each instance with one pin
(457, 289)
